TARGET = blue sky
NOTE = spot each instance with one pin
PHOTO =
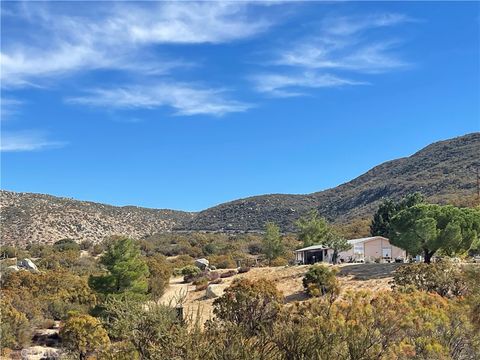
(187, 105)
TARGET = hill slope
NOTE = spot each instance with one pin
(44, 219)
(442, 171)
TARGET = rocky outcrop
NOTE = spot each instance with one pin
(214, 291)
(202, 264)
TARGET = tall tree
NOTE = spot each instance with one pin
(313, 229)
(316, 230)
(381, 223)
(272, 243)
(127, 271)
(427, 228)
(337, 243)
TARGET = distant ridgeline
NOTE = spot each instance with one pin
(445, 172)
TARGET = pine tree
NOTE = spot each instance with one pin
(127, 271)
(272, 242)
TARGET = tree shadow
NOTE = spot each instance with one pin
(369, 271)
(298, 296)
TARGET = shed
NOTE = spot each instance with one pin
(313, 254)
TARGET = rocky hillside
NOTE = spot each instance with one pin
(443, 171)
(40, 218)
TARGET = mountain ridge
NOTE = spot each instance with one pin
(442, 171)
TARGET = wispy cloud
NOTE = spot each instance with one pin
(289, 85)
(8, 107)
(350, 25)
(339, 47)
(17, 141)
(117, 36)
(320, 53)
(184, 98)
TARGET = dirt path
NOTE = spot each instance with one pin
(175, 292)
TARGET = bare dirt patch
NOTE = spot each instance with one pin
(374, 277)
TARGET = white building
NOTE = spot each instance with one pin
(364, 249)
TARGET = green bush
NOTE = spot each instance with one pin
(66, 245)
(190, 273)
(321, 280)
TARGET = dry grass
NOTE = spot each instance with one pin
(373, 277)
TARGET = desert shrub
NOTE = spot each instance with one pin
(82, 334)
(59, 309)
(86, 244)
(222, 261)
(60, 259)
(39, 250)
(252, 305)
(243, 269)
(122, 350)
(228, 273)
(386, 325)
(205, 274)
(443, 278)
(154, 331)
(160, 272)
(15, 329)
(97, 249)
(85, 266)
(255, 248)
(190, 270)
(50, 294)
(7, 251)
(26, 303)
(66, 245)
(47, 324)
(321, 280)
(210, 249)
(279, 261)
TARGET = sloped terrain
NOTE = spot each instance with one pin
(40, 218)
(443, 171)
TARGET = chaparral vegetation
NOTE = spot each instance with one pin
(112, 300)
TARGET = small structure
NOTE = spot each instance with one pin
(369, 249)
(313, 254)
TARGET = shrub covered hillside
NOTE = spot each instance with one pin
(443, 172)
(102, 308)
